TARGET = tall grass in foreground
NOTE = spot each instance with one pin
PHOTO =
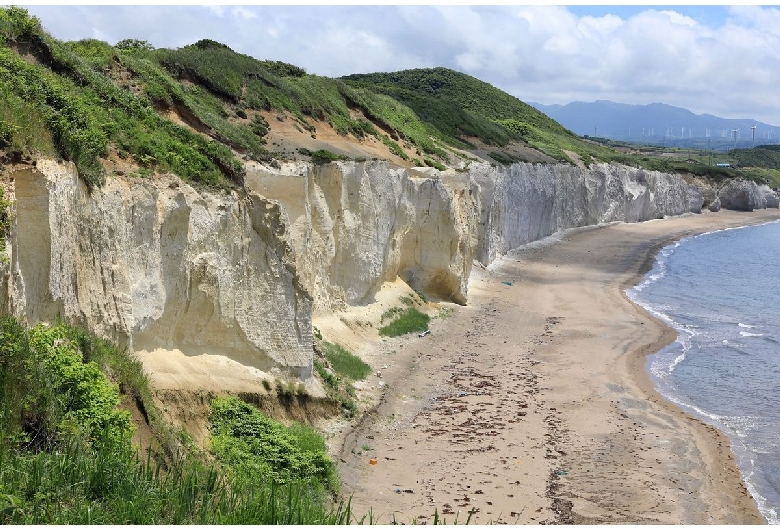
(106, 485)
(66, 456)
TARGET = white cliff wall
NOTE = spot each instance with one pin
(527, 202)
(159, 265)
(357, 225)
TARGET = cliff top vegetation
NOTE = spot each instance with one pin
(201, 111)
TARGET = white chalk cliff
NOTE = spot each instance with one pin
(157, 264)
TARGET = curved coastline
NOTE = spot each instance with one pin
(721, 442)
(536, 395)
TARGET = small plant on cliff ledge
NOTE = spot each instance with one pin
(338, 390)
(323, 156)
(345, 363)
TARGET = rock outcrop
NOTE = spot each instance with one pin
(746, 195)
(157, 264)
(715, 205)
(357, 225)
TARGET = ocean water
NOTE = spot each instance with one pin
(721, 291)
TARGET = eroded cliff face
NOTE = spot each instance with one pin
(525, 202)
(159, 265)
(357, 225)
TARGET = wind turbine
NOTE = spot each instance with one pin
(754, 135)
(734, 132)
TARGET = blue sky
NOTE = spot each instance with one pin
(719, 60)
(710, 15)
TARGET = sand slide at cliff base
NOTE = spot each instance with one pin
(532, 404)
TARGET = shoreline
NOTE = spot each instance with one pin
(483, 418)
(638, 364)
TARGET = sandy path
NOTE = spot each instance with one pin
(532, 404)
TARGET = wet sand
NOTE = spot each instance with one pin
(533, 405)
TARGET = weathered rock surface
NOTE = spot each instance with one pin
(770, 197)
(159, 265)
(746, 195)
(525, 202)
(715, 205)
(357, 225)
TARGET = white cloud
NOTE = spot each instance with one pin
(244, 13)
(216, 10)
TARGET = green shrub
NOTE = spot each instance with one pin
(394, 147)
(16, 23)
(253, 445)
(87, 474)
(338, 390)
(345, 363)
(408, 321)
(323, 156)
(71, 397)
(433, 163)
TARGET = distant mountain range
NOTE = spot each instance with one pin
(659, 123)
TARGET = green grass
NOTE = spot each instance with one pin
(409, 320)
(85, 112)
(345, 363)
(82, 100)
(66, 457)
(252, 445)
(338, 388)
(323, 156)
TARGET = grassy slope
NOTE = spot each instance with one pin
(88, 102)
(66, 455)
(458, 107)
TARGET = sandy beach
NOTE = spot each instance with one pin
(533, 405)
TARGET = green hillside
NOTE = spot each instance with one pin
(199, 110)
(460, 109)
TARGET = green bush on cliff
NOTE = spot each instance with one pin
(64, 396)
(344, 362)
(252, 445)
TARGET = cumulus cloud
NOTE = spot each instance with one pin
(547, 54)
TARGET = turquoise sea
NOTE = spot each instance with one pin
(721, 292)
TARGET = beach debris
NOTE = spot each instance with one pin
(507, 283)
(562, 473)
(424, 333)
(372, 461)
